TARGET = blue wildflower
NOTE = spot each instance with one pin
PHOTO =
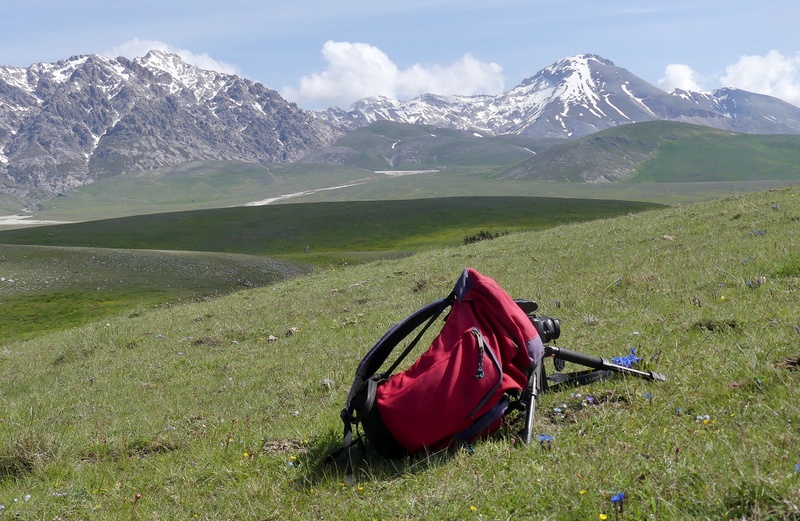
(759, 232)
(618, 500)
(628, 360)
(545, 440)
(797, 468)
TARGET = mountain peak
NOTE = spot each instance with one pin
(582, 60)
(92, 117)
(580, 95)
(203, 83)
(162, 60)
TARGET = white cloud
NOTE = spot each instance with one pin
(136, 48)
(360, 70)
(680, 76)
(774, 74)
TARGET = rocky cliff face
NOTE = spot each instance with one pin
(75, 121)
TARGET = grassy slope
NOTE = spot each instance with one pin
(196, 410)
(663, 151)
(80, 277)
(387, 227)
(710, 157)
(46, 288)
(191, 186)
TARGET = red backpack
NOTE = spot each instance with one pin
(461, 386)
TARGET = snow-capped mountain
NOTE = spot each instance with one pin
(68, 123)
(578, 96)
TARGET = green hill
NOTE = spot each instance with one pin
(387, 145)
(661, 151)
(337, 229)
(211, 410)
(68, 274)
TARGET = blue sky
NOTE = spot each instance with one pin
(321, 53)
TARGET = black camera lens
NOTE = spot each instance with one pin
(548, 328)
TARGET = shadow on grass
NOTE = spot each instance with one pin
(326, 462)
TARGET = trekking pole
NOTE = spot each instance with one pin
(530, 408)
(596, 362)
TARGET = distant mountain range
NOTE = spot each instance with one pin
(70, 123)
(578, 96)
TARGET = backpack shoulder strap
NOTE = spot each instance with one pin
(376, 356)
(373, 360)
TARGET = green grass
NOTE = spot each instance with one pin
(197, 409)
(710, 157)
(666, 152)
(48, 288)
(76, 275)
(191, 186)
(389, 228)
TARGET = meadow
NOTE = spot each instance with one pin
(225, 408)
(57, 276)
(45, 288)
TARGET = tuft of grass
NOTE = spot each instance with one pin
(26, 454)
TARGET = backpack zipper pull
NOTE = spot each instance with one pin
(479, 338)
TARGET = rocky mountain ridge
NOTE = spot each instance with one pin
(578, 96)
(70, 123)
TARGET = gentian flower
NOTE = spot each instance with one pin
(628, 360)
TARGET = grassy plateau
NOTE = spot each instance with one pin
(225, 409)
(56, 276)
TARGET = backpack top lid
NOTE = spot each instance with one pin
(469, 278)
